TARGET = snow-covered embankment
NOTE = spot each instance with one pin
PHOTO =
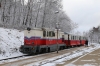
(10, 41)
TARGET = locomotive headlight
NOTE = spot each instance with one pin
(20, 47)
(28, 28)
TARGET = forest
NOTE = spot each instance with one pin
(20, 14)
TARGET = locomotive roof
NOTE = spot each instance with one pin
(48, 29)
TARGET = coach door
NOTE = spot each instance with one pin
(63, 38)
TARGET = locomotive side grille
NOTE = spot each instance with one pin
(26, 49)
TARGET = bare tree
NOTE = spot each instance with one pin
(34, 13)
(93, 35)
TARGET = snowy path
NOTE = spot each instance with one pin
(91, 59)
(54, 61)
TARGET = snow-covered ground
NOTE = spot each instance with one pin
(10, 41)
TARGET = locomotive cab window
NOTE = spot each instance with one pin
(51, 34)
(44, 33)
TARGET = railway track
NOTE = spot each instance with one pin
(21, 56)
(14, 57)
(43, 59)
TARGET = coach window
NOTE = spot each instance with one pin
(84, 38)
(80, 38)
(76, 37)
(73, 37)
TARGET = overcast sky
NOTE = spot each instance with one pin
(86, 13)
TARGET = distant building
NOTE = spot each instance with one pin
(95, 35)
(96, 29)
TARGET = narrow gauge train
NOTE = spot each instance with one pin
(46, 40)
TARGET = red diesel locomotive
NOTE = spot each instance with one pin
(46, 40)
